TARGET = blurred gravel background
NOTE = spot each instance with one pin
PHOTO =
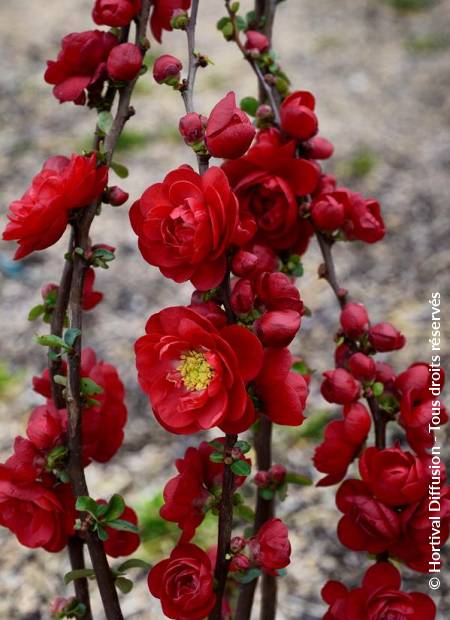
(380, 70)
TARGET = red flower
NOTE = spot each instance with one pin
(184, 584)
(364, 221)
(282, 391)
(124, 62)
(166, 70)
(103, 424)
(253, 260)
(418, 405)
(297, 115)
(38, 516)
(354, 320)
(362, 367)
(268, 181)
(328, 212)
(90, 297)
(162, 14)
(120, 543)
(270, 547)
(81, 64)
(385, 337)
(339, 387)
(195, 374)
(185, 225)
(40, 217)
(229, 131)
(394, 477)
(47, 426)
(367, 524)
(342, 443)
(185, 496)
(379, 598)
(256, 42)
(115, 13)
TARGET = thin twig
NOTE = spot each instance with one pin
(187, 92)
(328, 270)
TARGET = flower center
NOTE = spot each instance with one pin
(195, 370)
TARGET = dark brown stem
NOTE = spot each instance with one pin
(265, 510)
(76, 556)
(225, 529)
(81, 228)
(328, 271)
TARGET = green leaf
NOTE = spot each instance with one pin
(36, 312)
(243, 446)
(245, 512)
(378, 388)
(87, 504)
(125, 585)
(301, 367)
(241, 468)
(60, 380)
(78, 573)
(71, 335)
(49, 340)
(89, 387)
(241, 23)
(294, 478)
(223, 21)
(234, 7)
(123, 526)
(119, 169)
(250, 575)
(228, 30)
(266, 494)
(105, 121)
(249, 105)
(216, 457)
(282, 492)
(217, 445)
(133, 563)
(101, 532)
(115, 508)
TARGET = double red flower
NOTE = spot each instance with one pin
(195, 374)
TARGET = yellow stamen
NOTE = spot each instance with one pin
(195, 370)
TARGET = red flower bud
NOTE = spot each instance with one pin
(115, 13)
(237, 543)
(278, 473)
(339, 387)
(240, 562)
(354, 320)
(264, 112)
(124, 62)
(166, 70)
(319, 148)
(117, 196)
(242, 297)
(192, 127)
(261, 479)
(256, 41)
(47, 289)
(229, 131)
(253, 260)
(277, 328)
(59, 604)
(362, 367)
(385, 337)
(297, 115)
(328, 213)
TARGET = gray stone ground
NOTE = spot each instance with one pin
(381, 79)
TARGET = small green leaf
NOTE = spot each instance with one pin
(89, 387)
(133, 563)
(87, 504)
(78, 573)
(250, 575)
(249, 105)
(36, 312)
(294, 478)
(228, 30)
(217, 445)
(216, 457)
(378, 388)
(223, 21)
(60, 380)
(301, 367)
(71, 335)
(266, 494)
(234, 7)
(123, 526)
(125, 585)
(245, 512)
(243, 446)
(50, 340)
(115, 508)
(101, 532)
(241, 468)
(282, 492)
(105, 121)
(119, 169)
(241, 23)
